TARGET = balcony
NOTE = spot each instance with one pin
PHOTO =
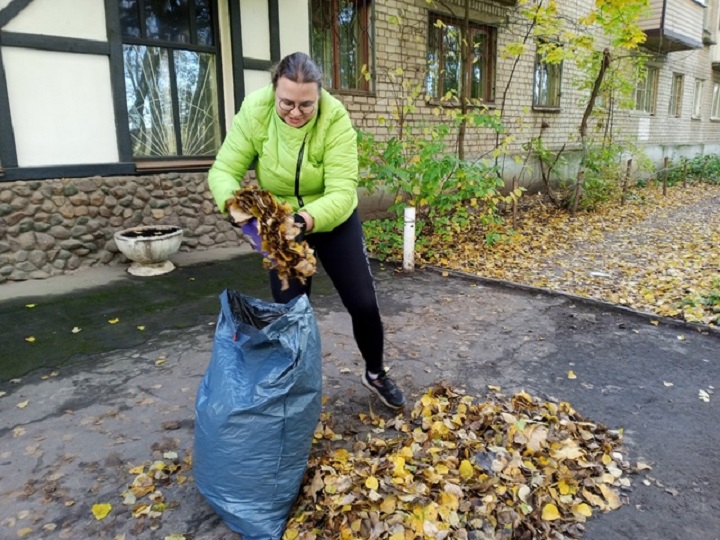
(674, 25)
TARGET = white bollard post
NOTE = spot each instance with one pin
(409, 240)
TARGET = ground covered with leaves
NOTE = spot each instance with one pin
(656, 253)
(455, 467)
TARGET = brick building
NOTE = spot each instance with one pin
(111, 110)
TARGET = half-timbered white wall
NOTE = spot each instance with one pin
(294, 27)
(255, 29)
(255, 79)
(67, 18)
(62, 109)
(294, 35)
(61, 103)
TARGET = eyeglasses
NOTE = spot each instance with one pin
(306, 107)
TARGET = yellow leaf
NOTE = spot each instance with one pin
(30, 339)
(388, 505)
(141, 328)
(583, 509)
(466, 470)
(29, 306)
(137, 470)
(445, 274)
(141, 509)
(564, 487)
(593, 499)
(654, 322)
(114, 321)
(550, 512)
(22, 404)
(571, 375)
(371, 483)
(611, 496)
(100, 511)
(22, 533)
(76, 329)
(178, 536)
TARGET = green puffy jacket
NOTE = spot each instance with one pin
(329, 172)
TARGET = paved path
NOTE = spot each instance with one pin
(85, 424)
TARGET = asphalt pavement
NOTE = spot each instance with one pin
(99, 370)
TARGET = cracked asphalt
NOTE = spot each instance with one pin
(80, 409)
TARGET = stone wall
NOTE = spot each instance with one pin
(50, 227)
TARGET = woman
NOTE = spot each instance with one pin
(305, 153)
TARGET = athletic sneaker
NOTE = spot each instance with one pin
(386, 390)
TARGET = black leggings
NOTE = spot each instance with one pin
(343, 256)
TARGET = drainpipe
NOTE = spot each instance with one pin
(409, 240)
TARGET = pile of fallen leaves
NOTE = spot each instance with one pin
(510, 467)
(144, 494)
(277, 229)
(657, 253)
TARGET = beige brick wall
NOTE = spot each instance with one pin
(406, 46)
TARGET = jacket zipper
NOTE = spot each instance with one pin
(297, 173)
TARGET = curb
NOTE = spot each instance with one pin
(668, 321)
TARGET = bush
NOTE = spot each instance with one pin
(445, 190)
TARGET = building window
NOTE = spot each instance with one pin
(676, 92)
(445, 73)
(170, 52)
(646, 90)
(341, 42)
(715, 114)
(546, 85)
(697, 98)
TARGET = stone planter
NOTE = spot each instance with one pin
(150, 248)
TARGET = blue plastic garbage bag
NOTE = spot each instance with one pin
(256, 411)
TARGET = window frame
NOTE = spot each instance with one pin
(179, 159)
(715, 111)
(697, 99)
(647, 83)
(677, 84)
(490, 52)
(367, 30)
(538, 64)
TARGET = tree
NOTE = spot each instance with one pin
(604, 45)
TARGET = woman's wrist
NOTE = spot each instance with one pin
(309, 221)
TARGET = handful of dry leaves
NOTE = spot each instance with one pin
(277, 229)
